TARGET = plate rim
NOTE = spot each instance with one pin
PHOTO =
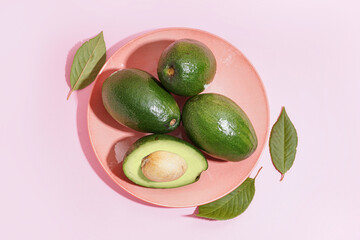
(150, 32)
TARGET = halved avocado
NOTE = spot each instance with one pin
(171, 151)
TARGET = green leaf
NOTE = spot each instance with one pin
(88, 61)
(283, 142)
(231, 205)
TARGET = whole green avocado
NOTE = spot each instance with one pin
(217, 125)
(136, 99)
(186, 67)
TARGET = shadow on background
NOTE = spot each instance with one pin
(83, 97)
(144, 57)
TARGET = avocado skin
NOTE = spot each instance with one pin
(136, 99)
(194, 66)
(159, 137)
(217, 125)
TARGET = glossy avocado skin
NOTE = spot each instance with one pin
(136, 99)
(186, 66)
(217, 125)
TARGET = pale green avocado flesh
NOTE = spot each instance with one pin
(196, 162)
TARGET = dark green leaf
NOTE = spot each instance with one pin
(88, 60)
(283, 142)
(231, 205)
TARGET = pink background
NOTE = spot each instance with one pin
(308, 56)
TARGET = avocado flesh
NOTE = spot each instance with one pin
(196, 162)
(217, 125)
(134, 98)
(186, 67)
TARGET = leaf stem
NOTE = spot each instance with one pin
(282, 177)
(70, 92)
(258, 173)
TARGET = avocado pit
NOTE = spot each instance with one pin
(163, 166)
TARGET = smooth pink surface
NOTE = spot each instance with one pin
(235, 78)
(307, 54)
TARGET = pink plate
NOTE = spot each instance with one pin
(235, 78)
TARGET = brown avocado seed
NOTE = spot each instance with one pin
(163, 166)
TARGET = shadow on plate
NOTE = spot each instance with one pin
(83, 97)
(97, 106)
(117, 154)
(146, 58)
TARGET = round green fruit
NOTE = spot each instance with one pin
(186, 67)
